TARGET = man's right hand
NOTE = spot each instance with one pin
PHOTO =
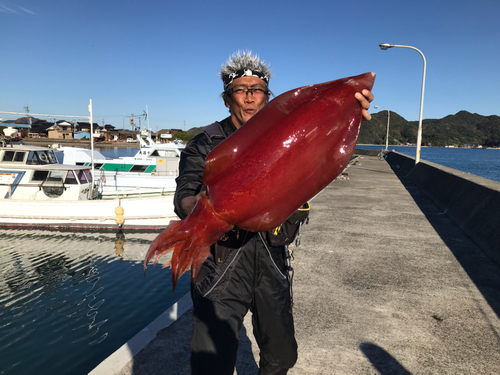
(188, 203)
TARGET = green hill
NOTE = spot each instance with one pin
(461, 129)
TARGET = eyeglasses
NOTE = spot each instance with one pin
(243, 90)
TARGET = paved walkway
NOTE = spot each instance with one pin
(384, 284)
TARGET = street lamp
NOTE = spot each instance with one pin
(388, 117)
(385, 46)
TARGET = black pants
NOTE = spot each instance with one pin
(253, 278)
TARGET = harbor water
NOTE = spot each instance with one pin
(481, 162)
(69, 300)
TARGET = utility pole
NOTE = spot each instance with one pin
(28, 115)
(132, 123)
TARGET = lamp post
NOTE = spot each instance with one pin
(385, 46)
(388, 117)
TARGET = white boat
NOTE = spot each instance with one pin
(145, 173)
(38, 192)
(158, 150)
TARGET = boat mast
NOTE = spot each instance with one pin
(91, 145)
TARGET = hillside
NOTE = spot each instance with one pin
(461, 129)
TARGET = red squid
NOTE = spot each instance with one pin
(282, 157)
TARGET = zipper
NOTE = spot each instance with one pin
(223, 273)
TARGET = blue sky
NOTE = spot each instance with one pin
(165, 55)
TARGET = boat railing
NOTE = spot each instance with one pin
(14, 186)
(139, 193)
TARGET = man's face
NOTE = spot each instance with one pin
(242, 103)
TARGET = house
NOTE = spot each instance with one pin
(39, 128)
(82, 126)
(61, 130)
(123, 135)
(163, 136)
(85, 126)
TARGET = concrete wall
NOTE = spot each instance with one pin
(472, 202)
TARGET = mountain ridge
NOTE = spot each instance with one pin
(461, 129)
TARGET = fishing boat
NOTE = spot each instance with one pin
(163, 150)
(36, 191)
(151, 171)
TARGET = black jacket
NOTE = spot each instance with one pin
(192, 163)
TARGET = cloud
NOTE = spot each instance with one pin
(26, 10)
(6, 9)
(14, 9)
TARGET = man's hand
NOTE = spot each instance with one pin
(364, 98)
(188, 203)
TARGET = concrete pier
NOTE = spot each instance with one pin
(385, 282)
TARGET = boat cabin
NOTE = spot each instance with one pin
(34, 173)
(145, 162)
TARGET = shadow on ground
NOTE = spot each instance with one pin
(481, 269)
(385, 363)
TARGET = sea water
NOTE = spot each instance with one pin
(481, 162)
(69, 300)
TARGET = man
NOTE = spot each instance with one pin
(244, 271)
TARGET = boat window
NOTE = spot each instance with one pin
(32, 159)
(8, 156)
(155, 153)
(139, 168)
(81, 176)
(14, 156)
(19, 156)
(88, 174)
(97, 166)
(40, 175)
(71, 178)
(170, 154)
(42, 156)
(56, 176)
(52, 157)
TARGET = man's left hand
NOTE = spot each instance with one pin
(364, 98)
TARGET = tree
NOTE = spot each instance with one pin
(184, 136)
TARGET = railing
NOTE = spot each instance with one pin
(139, 193)
(40, 187)
(9, 190)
